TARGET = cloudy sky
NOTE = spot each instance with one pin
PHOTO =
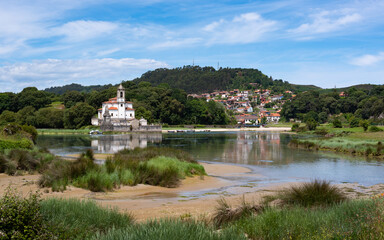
(326, 43)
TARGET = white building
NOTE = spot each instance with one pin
(118, 108)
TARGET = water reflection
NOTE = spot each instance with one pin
(115, 143)
(267, 153)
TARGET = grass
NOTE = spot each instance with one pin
(314, 193)
(154, 166)
(166, 229)
(20, 161)
(43, 131)
(225, 214)
(358, 219)
(365, 144)
(78, 219)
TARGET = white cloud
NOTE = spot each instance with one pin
(367, 60)
(327, 21)
(83, 30)
(54, 72)
(176, 43)
(246, 28)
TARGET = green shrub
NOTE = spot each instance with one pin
(13, 143)
(375, 129)
(354, 122)
(337, 123)
(321, 131)
(98, 180)
(21, 218)
(364, 124)
(312, 193)
(311, 124)
(295, 126)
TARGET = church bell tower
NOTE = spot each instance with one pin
(121, 94)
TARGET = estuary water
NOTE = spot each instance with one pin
(266, 153)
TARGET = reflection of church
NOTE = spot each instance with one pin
(115, 143)
(116, 114)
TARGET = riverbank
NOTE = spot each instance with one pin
(353, 141)
(260, 129)
(149, 202)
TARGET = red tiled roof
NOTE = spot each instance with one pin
(112, 108)
(100, 109)
(129, 109)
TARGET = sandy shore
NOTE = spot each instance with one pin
(195, 197)
(261, 129)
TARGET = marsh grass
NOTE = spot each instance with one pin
(78, 219)
(124, 169)
(357, 219)
(18, 161)
(225, 214)
(309, 194)
(166, 229)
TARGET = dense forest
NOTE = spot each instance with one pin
(195, 79)
(358, 103)
(77, 87)
(74, 109)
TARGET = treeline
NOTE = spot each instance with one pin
(362, 104)
(160, 104)
(76, 87)
(195, 79)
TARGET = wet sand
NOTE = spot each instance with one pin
(149, 202)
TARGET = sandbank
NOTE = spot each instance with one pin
(196, 196)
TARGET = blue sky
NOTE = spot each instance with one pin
(325, 43)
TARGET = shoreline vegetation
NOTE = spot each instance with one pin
(272, 127)
(313, 210)
(352, 141)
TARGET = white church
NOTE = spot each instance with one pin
(116, 114)
(118, 108)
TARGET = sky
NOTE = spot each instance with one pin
(324, 43)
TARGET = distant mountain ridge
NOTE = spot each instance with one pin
(195, 79)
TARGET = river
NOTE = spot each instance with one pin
(266, 153)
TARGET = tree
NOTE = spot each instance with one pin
(78, 116)
(311, 124)
(364, 124)
(7, 117)
(337, 123)
(26, 116)
(30, 96)
(49, 118)
(70, 98)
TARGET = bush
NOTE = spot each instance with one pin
(311, 124)
(375, 129)
(21, 218)
(295, 126)
(321, 131)
(354, 122)
(364, 124)
(312, 193)
(337, 123)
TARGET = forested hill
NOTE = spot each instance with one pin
(77, 87)
(195, 79)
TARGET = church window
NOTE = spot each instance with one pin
(112, 114)
(121, 104)
(121, 94)
(131, 114)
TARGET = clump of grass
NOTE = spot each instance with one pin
(357, 219)
(80, 219)
(314, 193)
(166, 229)
(121, 170)
(224, 213)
